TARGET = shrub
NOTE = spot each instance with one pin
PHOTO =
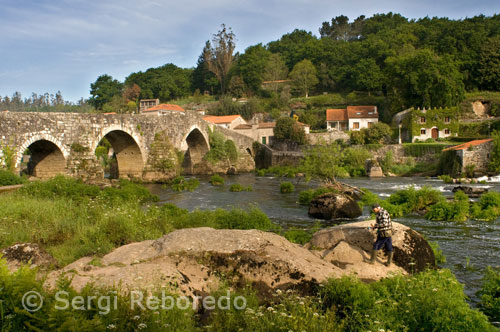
(236, 187)
(217, 180)
(288, 128)
(8, 178)
(413, 200)
(179, 183)
(286, 187)
(457, 210)
(434, 298)
(490, 294)
(446, 178)
(220, 148)
(487, 208)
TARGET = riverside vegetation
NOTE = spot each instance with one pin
(71, 219)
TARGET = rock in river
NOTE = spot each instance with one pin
(334, 206)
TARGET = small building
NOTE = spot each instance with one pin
(144, 104)
(163, 109)
(421, 125)
(474, 154)
(263, 132)
(225, 121)
(351, 118)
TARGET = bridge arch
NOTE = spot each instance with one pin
(196, 145)
(48, 156)
(126, 149)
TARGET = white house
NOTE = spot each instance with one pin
(225, 121)
(351, 118)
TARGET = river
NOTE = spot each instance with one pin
(469, 247)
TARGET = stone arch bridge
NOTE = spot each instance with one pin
(146, 147)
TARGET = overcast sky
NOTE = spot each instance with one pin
(51, 45)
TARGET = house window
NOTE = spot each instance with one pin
(264, 140)
(355, 125)
(446, 131)
(370, 124)
(422, 131)
(422, 119)
(447, 119)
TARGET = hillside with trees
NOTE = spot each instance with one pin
(387, 60)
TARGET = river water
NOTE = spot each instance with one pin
(469, 247)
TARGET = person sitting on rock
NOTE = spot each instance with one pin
(383, 225)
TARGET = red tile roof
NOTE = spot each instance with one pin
(221, 119)
(468, 144)
(362, 112)
(165, 107)
(336, 114)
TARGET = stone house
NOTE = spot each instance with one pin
(417, 124)
(475, 154)
(163, 109)
(225, 121)
(263, 132)
(351, 118)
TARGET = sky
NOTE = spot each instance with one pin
(64, 45)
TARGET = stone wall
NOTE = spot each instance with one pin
(478, 155)
(65, 143)
(327, 138)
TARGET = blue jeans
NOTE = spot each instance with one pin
(383, 242)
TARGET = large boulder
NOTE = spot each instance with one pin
(334, 206)
(472, 192)
(411, 251)
(193, 261)
(27, 253)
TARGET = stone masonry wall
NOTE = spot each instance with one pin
(76, 136)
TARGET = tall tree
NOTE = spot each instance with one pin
(103, 90)
(341, 29)
(219, 56)
(251, 66)
(275, 70)
(489, 64)
(203, 79)
(304, 76)
(423, 79)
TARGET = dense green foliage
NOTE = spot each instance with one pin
(8, 178)
(428, 301)
(217, 180)
(288, 129)
(286, 187)
(434, 206)
(179, 183)
(376, 134)
(490, 294)
(456, 210)
(220, 148)
(494, 165)
(236, 187)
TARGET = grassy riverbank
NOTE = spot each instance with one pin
(71, 220)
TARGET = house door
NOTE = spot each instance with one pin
(434, 133)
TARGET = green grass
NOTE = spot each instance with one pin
(236, 187)
(72, 220)
(8, 178)
(217, 180)
(286, 187)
